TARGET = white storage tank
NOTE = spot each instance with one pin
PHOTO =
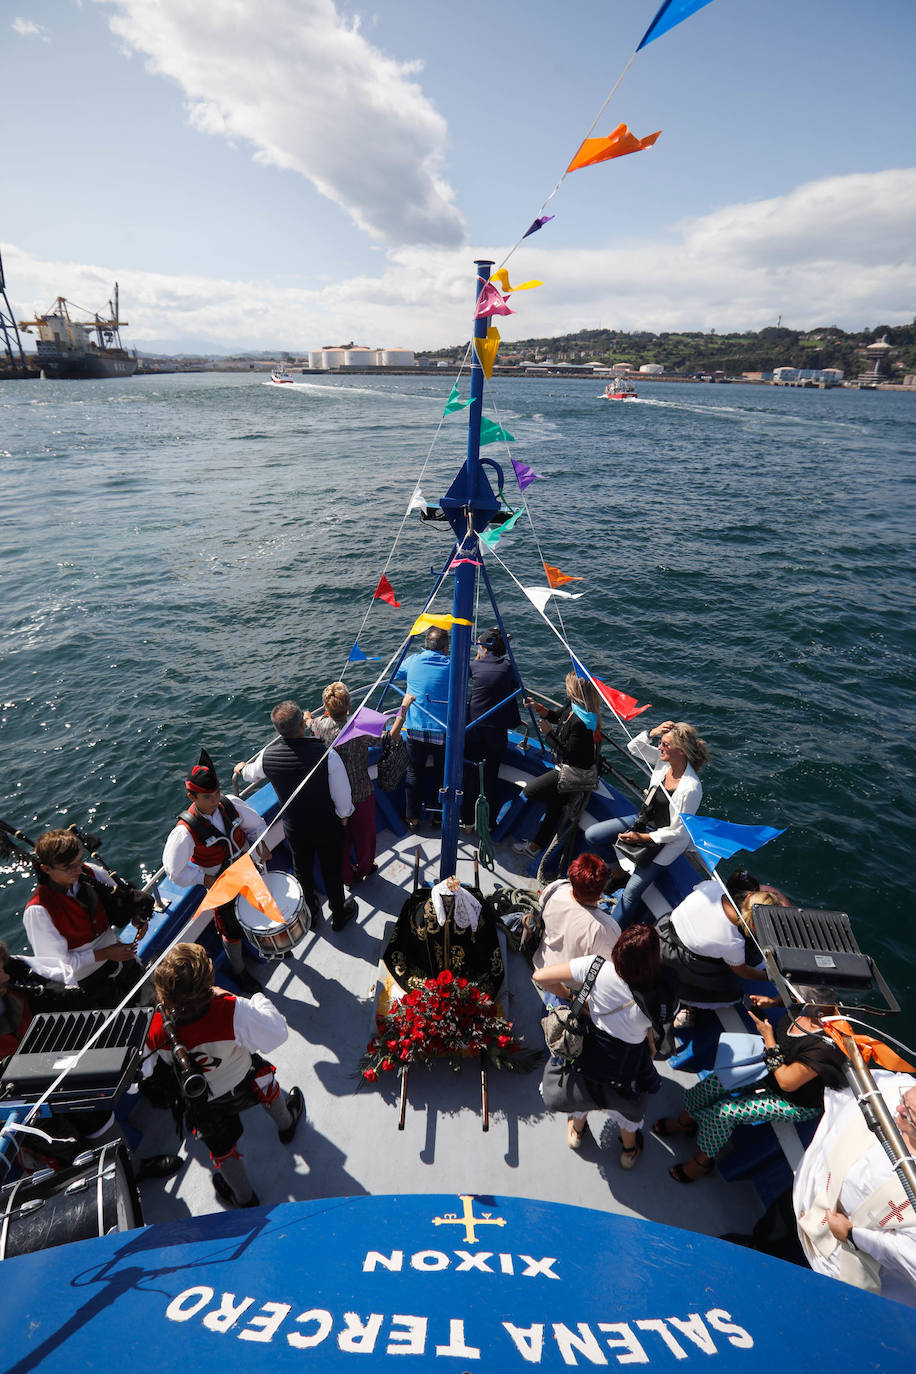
(397, 357)
(653, 369)
(360, 357)
(334, 357)
(316, 358)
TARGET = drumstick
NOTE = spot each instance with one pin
(484, 1091)
(403, 1108)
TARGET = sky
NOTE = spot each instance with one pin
(307, 172)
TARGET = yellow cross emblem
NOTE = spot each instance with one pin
(468, 1220)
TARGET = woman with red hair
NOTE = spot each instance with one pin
(614, 1073)
(574, 924)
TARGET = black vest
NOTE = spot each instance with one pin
(286, 762)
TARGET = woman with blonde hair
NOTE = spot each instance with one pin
(574, 736)
(654, 837)
(359, 840)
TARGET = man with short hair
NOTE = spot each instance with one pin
(69, 927)
(312, 783)
(424, 728)
(208, 837)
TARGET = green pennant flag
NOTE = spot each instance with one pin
(454, 402)
(491, 537)
(491, 433)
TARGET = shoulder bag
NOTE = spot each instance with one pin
(739, 1059)
(392, 764)
(564, 1027)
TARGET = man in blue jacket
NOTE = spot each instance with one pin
(427, 680)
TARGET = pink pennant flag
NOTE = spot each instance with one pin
(457, 562)
(490, 302)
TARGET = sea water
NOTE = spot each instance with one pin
(181, 552)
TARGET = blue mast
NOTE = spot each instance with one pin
(469, 505)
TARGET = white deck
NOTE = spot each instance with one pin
(349, 1143)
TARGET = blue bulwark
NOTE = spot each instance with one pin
(451, 1282)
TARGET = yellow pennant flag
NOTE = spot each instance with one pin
(443, 622)
(617, 144)
(242, 878)
(502, 276)
(487, 349)
(556, 578)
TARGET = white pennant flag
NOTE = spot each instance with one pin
(417, 501)
(539, 596)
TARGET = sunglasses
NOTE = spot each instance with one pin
(904, 1109)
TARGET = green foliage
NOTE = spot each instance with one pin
(692, 352)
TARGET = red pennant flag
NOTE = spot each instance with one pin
(385, 592)
(557, 578)
(617, 144)
(626, 707)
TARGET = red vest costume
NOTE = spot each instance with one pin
(78, 921)
(211, 1044)
(211, 848)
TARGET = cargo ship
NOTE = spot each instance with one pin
(67, 348)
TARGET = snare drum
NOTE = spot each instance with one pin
(273, 939)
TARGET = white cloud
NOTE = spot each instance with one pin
(26, 28)
(311, 95)
(839, 251)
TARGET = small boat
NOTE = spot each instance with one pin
(281, 376)
(620, 390)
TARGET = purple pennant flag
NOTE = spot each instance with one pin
(364, 721)
(525, 474)
(538, 224)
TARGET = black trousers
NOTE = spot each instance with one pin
(488, 746)
(329, 850)
(544, 789)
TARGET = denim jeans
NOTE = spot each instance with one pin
(601, 836)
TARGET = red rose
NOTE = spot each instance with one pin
(387, 1065)
(462, 982)
(372, 1047)
(445, 977)
(503, 1040)
(392, 1044)
(370, 1074)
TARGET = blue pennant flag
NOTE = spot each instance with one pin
(671, 13)
(578, 668)
(720, 839)
(356, 655)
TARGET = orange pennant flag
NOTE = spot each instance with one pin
(556, 578)
(242, 878)
(869, 1048)
(617, 144)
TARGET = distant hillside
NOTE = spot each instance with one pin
(732, 353)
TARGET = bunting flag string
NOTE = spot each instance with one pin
(671, 13)
(442, 622)
(486, 350)
(492, 433)
(453, 403)
(525, 475)
(717, 839)
(557, 578)
(356, 655)
(537, 224)
(502, 276)
(385, 592)
(490, 302)
(539, 596)
(241, 878)
(617, 144)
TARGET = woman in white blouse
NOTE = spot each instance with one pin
(656, 835)
(615, 1072)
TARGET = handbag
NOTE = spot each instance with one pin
(739, 1059)
(564, 1027)
(573, 779)
(392, 764)
(642, 852)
